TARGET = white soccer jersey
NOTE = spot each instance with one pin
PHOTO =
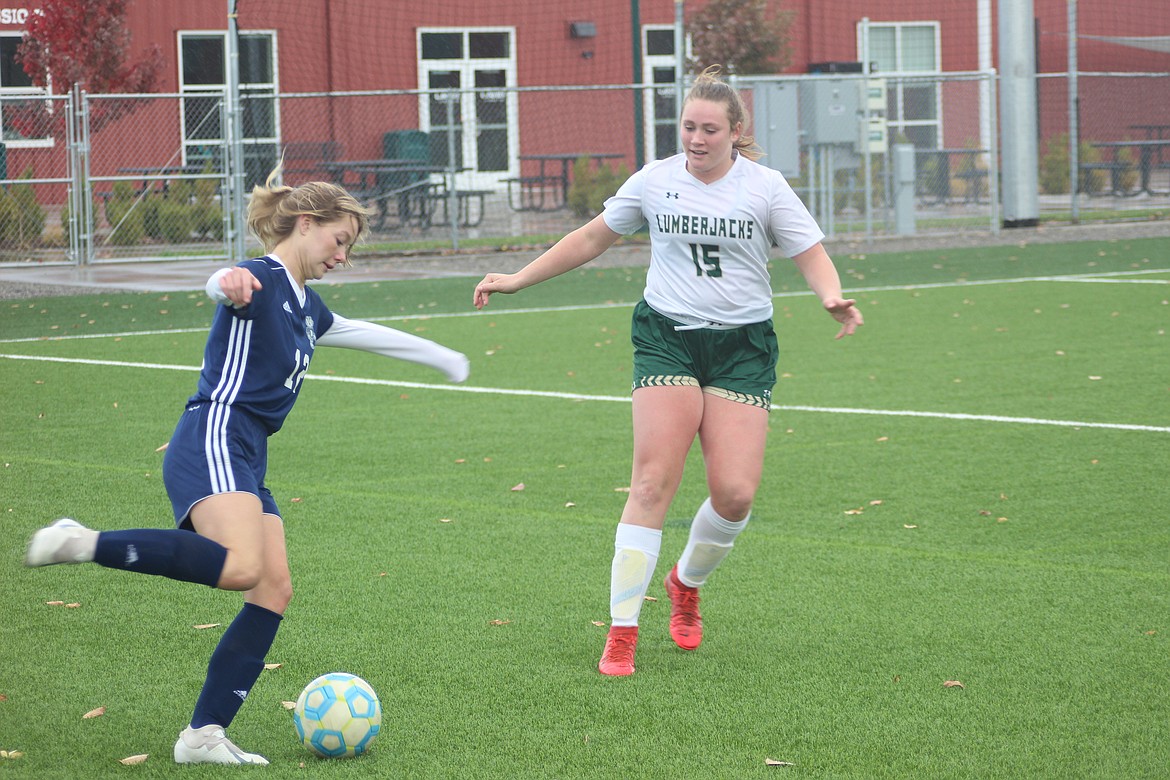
(709, 243)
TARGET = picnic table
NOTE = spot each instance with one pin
(1149, 159)
(533, 190)
(408, 183)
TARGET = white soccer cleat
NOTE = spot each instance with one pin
(209, 745)
(65, 541)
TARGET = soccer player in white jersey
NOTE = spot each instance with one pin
(704, 348)
(229, 532)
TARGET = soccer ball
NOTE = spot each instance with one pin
(337, 715)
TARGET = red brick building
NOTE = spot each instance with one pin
(315, 46)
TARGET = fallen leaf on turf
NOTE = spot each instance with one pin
(270, 667)
(1001, 519)
(444, 519)
(621, 490)
(202, 626)
(498, 622)
(876, 502)
(94, 713)
(132, 760)
(774, 762)
(599, 623)
(73, 605)
(289, 705)
(1148, 633)
(650, 598)
(163, 447)
(883, 438)
(297, 500)
(908, 525)
(55, 603)
(856, 511)
(953, 684)
(13, 754)
(461, 460)
(517, 487)
(3, 697)
(569, 504)
(985, 512)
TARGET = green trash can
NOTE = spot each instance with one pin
(406, 145)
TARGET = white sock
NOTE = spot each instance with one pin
(710, 540)
(634, 558)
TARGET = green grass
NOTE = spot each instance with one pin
(1028, 561)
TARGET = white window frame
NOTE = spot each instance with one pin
(23, 93)
(193, 90)
(649, 63)
(467, 65)
(895, 126)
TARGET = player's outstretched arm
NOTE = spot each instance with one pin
(233, 285)
(388, 342)
(821, 275)
(572, 251)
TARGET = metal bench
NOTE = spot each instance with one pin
(534, 193)
(1116, 169)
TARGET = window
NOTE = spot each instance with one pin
(203, 84)
(659, 67)
(23, 118)
(901, 49)
(467, 105)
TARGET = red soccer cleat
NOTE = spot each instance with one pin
(686, 625)
(618, 658)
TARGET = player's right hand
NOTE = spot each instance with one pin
(238, 284)
(493, 283)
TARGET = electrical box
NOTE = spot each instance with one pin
(875, 96)
(776, 125)
(875, 136)
(830, 110)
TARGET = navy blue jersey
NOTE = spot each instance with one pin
(257, 355)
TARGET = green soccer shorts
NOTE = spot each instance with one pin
(735, 363)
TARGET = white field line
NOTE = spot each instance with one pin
(623, 398)
(1104, 277)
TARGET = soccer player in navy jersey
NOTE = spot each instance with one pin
(704, 347)
(229, 532)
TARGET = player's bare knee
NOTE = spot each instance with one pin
(241, 572)
(733, 506)
(647, 494)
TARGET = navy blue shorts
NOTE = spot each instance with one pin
(215, 449)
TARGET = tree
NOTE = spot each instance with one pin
(84, 43)
(741, 36)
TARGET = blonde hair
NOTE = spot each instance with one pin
(708, 86)
(273, 210)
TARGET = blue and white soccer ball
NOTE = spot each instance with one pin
(338, 715)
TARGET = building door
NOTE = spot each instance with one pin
(466, 106)
(659, 67)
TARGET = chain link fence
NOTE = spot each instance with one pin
(117, 178)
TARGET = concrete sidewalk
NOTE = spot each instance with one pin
(170, 276)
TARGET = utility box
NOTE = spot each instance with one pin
(776, 125)
(830, 111)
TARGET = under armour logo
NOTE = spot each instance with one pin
(672, 195)
(131, 554)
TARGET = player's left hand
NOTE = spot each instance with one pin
(238, 284)
(845, 311)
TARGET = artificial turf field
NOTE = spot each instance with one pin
(971, 490)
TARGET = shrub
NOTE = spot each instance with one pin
(591, 188)
(23, 219)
